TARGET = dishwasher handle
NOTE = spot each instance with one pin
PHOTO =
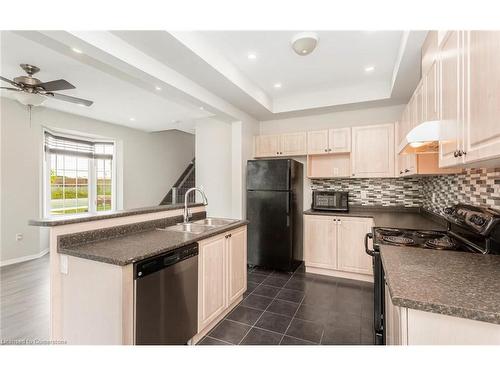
(155, 264)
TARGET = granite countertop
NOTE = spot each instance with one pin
(453, 283)
(141, 245)
(393, 217)
(81, 218)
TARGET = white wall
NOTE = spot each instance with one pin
(148, 165)
(359, 117)
(213, 165)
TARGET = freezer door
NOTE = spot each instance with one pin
(270, 229)
(269, 174)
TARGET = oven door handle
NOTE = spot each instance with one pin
(370, 252)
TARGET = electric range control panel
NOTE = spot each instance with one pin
(478, 219)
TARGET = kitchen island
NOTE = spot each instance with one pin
(92, 258)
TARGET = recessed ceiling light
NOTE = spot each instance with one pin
(157, 88)
(76, 50)
(252, 56)
(369, 69)
(277, 85)
(132, 119)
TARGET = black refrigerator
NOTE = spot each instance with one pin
(274, 212)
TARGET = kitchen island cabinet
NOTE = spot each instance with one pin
(92, 283)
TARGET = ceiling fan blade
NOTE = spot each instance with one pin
(59, 84)
(10, 88)
(9, 81)
(70, 99)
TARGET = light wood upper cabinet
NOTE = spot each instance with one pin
(291, 144)
(329, 141)
(237, 264)
(418, 106)
(450, 98)
(431, 94)
(211, 279)
(351, 249)
(373, 151)
(267, 145)
(317, 142)
(339, 140)
(429, 51)
(320, 241)
(482, 95)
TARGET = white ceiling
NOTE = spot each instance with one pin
(116, 100)
(337, 62)
(119, 70)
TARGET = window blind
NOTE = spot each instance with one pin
(61, 145)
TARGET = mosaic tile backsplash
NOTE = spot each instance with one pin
(480, 187)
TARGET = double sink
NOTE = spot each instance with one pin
(199, 226)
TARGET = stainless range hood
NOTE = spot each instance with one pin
(422, 139)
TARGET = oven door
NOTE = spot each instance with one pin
(378, 292)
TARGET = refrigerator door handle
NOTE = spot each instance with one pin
(287, 220)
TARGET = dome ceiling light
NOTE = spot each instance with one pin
(304, 43)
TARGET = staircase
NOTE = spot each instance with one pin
(183, 183)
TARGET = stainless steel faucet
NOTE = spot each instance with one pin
(187, 213)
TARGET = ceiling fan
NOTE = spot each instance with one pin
(32, 92)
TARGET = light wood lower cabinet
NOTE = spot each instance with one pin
(236, 264)
(351, 255)
(320, 237)
(404, 326)
(222, 274)
(334, 245)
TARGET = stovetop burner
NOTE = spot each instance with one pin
(428, 234)
(444, 243)
(399, 240)
(390, 231)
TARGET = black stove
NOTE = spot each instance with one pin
(470, 229)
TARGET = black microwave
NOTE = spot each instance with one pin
(330, 200)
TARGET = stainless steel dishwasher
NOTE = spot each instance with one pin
(166, 297)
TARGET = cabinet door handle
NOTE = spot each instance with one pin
(326, 150)
(407, 170)
(330, 149)
(455, 154)
(400, 172)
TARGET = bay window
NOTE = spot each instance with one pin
(79, 175)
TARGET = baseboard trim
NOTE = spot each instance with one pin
(342, 274)
(24, 259)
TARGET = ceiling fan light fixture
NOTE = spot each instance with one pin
(29, 99)
(304, 43)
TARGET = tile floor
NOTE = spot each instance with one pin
(298, 309)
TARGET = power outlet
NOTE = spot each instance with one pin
(433, 197)
(19, 236)
(364, 194)
(335, 171)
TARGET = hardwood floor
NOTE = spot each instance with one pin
(24, 301)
